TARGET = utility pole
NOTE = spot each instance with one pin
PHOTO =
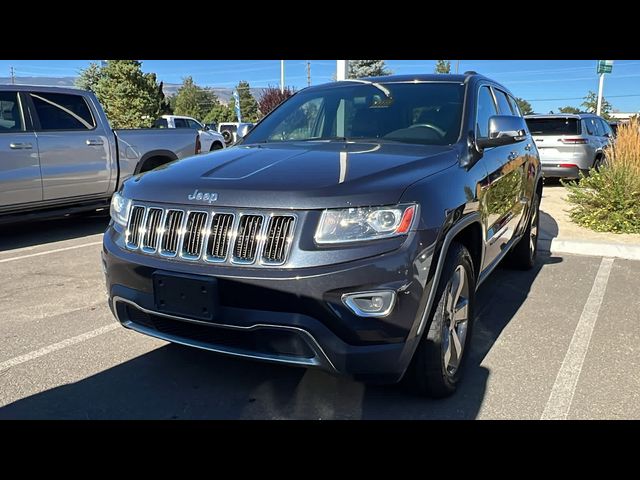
(604, 66)
(457, 65)
(13, 75)
(281, 76)
(308, 73)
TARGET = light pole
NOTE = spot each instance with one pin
(341, 69)
(281, 76)
(600, 87)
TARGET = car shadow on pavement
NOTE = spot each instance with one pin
(41, 232)
(175, 382)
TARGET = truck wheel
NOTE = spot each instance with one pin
(228, 136)
(436, 367)
(215, 146)
(523, 255)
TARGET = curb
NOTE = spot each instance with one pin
(596, 249)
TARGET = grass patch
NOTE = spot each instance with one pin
(609, 200)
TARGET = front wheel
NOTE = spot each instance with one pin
(436, 367)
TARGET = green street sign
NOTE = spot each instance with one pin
(605, 66)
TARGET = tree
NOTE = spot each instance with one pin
(524, 106)
(129, 97)
(248, 104)
(367, 68)
(194, 101)
(89, 77)
(590, 105)
(568, 109)
(271, 97)
(220, 113)
(443, 66)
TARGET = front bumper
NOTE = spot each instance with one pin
(291, 316)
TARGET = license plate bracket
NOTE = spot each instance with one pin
(186, 295)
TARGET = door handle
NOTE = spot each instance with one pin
(528, 147)
(93, 142)
(513, 155)
(20, 146)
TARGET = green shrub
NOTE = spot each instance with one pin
(609, 200)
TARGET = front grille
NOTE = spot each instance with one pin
(195, 231)
(213, 237)
(219, 237)
(171, 233)
(278, 239)
(135, 227)
(150, 238)
(247, 238)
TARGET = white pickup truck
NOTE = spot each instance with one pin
(210, 139)
(58, 152)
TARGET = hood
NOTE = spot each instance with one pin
(302, 175)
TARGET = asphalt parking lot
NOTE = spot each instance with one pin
(559, 341)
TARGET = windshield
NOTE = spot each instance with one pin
(553, 126)
(419, 113)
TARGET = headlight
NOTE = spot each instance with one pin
(120, 209)
(367, 223)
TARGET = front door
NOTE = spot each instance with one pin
(74, 150)
(20, 180)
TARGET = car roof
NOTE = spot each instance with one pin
(562, 115)
(42, 88)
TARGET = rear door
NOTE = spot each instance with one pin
(20, 180)
(74, 148)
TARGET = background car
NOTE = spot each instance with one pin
(209, 139)
(229, 130)
(569, 143)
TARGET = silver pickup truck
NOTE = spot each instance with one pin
(59, 153)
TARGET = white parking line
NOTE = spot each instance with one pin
(56, 346)
(561, 396)
(4, 260)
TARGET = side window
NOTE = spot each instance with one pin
(588, 125)
(180, 123)
(486, 108)
(606, 129)
(503, 103)
(10, 113)
(514, 106)
(597, 126)
(160, 123)
(59, 111)
(193, 124)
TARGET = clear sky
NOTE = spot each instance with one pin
(547, 84)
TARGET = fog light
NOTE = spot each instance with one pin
(370, 304)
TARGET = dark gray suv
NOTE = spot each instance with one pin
(349, 230)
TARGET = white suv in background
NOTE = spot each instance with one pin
(210, 140)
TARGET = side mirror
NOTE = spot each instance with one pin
(206, 128)
(503, 130)
(242, 131)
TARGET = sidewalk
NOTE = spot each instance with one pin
(558, 234)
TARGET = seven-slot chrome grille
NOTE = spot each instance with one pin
(237, 237)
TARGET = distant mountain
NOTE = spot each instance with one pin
(170, 89)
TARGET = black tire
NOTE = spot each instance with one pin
(523, 254)
(215, 146)
(430, 373)
(228, 136)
